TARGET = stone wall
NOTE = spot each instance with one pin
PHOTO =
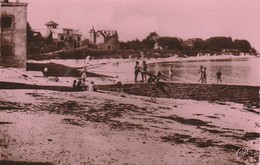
(16, 35)
(209, 92)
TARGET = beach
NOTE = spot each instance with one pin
(51, 127)
(124, 68)
(105, 128)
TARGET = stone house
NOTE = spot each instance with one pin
(64, 38)
(13, 34)
(105, 39)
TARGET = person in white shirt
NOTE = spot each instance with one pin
(91, 86)
(45, 72)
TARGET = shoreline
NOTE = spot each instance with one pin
(124, 69)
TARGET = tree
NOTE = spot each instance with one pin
(171, 43)
(242, 45)
(29, 33)
(219, 43)
(134, 44)
(150, 40)
(199, 45)
(35, 41)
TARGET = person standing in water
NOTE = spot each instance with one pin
(201, 74)
(205, 75)
(219, 74)
(144, 71)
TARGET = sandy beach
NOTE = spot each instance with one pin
(50, 127)
(105, 128)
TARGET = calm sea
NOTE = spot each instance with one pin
(242, 71)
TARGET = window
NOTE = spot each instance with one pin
(109, 47)
(7, 50)
(62, 38)
(78, 38)
(6, 22)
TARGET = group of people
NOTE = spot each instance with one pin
(80, 84)
(203, 75)
(141, 69)
(153, 80)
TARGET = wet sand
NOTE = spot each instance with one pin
(105, 128)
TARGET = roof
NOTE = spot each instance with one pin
(14, 4)
(44, 32)
(108, 33)
(51, 23)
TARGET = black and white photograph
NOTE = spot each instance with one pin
(129, 82)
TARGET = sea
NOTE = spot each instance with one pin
(238, 71)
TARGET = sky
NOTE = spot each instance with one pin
(239, 19)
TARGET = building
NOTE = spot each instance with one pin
(64, 37)
(105, 39)
(13, 33)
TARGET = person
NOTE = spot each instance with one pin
(205, 75)
(119, 85)
(91, 86)
(161, 85)
(144, 71)
(170, 72)
(153, 86)
(142, 55)
(151, 79)
(84, 76)
(80, 86)
(87, 60)
(201, 74)
(137, 70)
(45, 72)
(219, 74)
(74, 86)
